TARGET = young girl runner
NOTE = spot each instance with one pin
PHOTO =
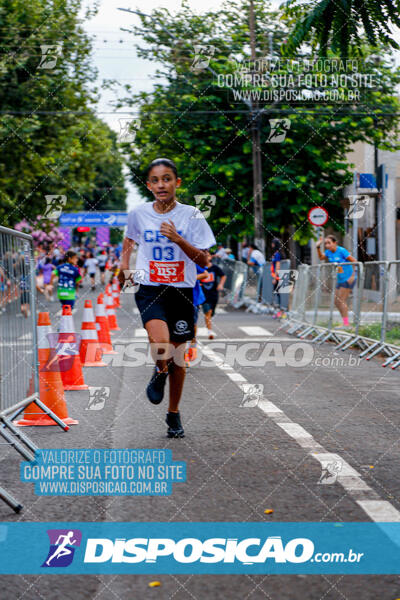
(172, 238)
(346, 274)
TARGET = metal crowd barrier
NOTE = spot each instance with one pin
(236, 279)
(19, 375)
(374, 306)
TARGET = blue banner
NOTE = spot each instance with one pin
(94, 219)
(199, 548)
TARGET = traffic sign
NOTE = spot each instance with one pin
(318, 216)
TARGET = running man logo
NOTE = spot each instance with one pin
(279, 129)
(330, 471)
(133, 279)
(50, 54)
(204, 205)
(97, 397)
(252, 394)
(63, 543)
(202, 56)
(54, 206)
(63, 348)
(128, 129)
(358, 204)
(287, 279)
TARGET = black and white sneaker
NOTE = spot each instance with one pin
(155, 388)
(175, 429)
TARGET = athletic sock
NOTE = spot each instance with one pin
(345, 320)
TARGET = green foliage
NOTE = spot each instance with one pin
(190, 118)
(51, 141)
(336, 25)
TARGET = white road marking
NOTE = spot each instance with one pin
(295, 430)
(380, 511)
(255, 330)
(140, 332)
(236, 377)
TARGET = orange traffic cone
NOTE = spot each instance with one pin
(51, 390)
(115, 293)
(111, 316)
(103, 330)
(68, 353)
(90, 350)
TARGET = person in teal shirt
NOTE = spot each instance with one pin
(68, 278)
(346, 274)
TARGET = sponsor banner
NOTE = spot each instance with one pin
(94, 219)
(205, 548)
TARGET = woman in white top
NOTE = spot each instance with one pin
(172, 238)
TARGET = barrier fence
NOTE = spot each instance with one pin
(236, 279)
(373, 302)
(19, 375)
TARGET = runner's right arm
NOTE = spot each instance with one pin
(127, 247)
(321, 255)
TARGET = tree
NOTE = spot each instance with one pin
(52, 143)
(205, 128)
(334, 24)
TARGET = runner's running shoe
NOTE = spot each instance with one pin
(155, 388)
(192, 353)
(211, 334)
(175, 429)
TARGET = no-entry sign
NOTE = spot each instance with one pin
(318, 216)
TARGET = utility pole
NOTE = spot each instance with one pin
(259, 236)
(255, 117)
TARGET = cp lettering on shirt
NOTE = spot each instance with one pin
(151, 235)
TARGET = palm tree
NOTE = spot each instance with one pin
(337, 23)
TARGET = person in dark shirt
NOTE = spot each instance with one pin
(211, 288)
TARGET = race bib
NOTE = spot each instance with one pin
(167, 272)
(209, 278)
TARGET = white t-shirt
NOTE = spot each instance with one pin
(91, 264)
(102, 259)
(258, 257)
(161, 260)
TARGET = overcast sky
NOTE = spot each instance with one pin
(114, 52)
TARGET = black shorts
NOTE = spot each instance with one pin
(210, 304)
(170, 304)
(102, 269)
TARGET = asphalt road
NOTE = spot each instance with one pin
(243, 457)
